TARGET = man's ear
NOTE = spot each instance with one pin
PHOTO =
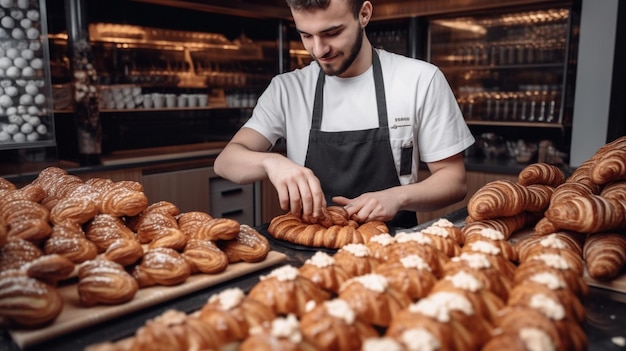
(365, 14)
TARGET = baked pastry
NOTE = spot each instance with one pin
(610, 167)
(27, 302)
(104, 282)
(124, 251)
(554, 291)
(605, 255)
(164, 207)
(49, 268)
(159, 229)
(334, 325)
(416, 243)
(217, 229)
(17, 252)
(442, 240)
(588, 214)
(247, 246)
(27, 220)
(582, 175)
(283, 333)
(285, 291)
(411, 275)
(615, 190)
(562, 240)
(6, 184)
(74, 209)
(482, 268)
(3, 232)
(355, 259)
(553, 264)
(123, 199)
(105, 229)
(494, 251)
(70, 242)
(373, 299)
(499, 198)
(536, 328)
(541, 173)
(161, 266)
(505, 225)
(495, 238)
(189, 222)
(550, 247)
(453, 231)
(381, 246)
(204, 256)
(323, 271)
(538, 197)
(233, 314)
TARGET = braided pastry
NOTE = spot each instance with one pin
(124, 251)
(189, 222)
(70, 242)
(204, 256)
(373, 299)
(410, 275)
(286, 291)
(323, 271)
(334, 325)
(355, 259)
(605, 255)
(105, 229)
(18, 252)
(611, 167)
(26, 219)
(104, 282)
(28, 302)
(217, 229)
(161, 266)
(500, 198)
(588, 214)
(495, 238)
(159, 229)
(77, 208)
(233, 314)
(247, 246)
(164, 207)
(541, 173)
(121, 200)
(382, 246)
(49, 268)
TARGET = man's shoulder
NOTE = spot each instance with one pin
(404, 62)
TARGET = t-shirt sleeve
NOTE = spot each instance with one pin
(442, 130)
(267, 116)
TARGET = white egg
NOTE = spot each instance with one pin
(11, 91)
(32, 33)
(34, 121)
(11, 110)
(3, 34)
(21, 109)
(4, 136)
(26, 100)
(11, 128)
(15, 119)
(5, 62)
(12, 53)
(20, 62)
(28, 54)
(18, 33)
(34, 136)
(26, 23)
(23, 4)
(26, 128)
(19, 137)
(36, 63)
(7, 22)
(17, 14)
(31, 89)
(6, 101)
(34, 45)
(28, 72)
(33, 15)
(12, 72)
(7, 4)
(42, 129)
(33, 110)
(6, 83)
(40, 99)
(21, 82)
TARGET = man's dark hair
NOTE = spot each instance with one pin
(322, 4)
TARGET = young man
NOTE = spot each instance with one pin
(356, 122)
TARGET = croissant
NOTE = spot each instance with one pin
(544, 227)
(355, 259)
(217, 229)
(124, 251)
(410, 275)
(161, 266)
(500, 198)
(6, 184)
(417, 243)
(520, 340)
(70, 242)
(482, 268)
(373, 299)
(164, 207)
(541, 173)
(615, 190)
(493, 250)
(588, 214)
(120, 200)
(334, 325)
(442, 240)
(526, 294)
(538, 197)
(17, 253)
(27, 220)
(3, 232)
(453, 231)
(610, 167)
(104, 282)
(505, 225)
(28, 302)
(73, 209)
(568, 190)
(494, 238)
(204, 256)
(417, 329)
(381, 246)
(582, 175)
(515, 319)
(282, 334)
(50, 268)
(233, 314)
(605, 255)
(104, 229)
(174, 330)
(555, 265)
(323, 271)
(562, 240)
(160, 230)
(286, 291)
(248, 246)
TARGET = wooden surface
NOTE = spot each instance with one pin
(618, 284)
(75, 317)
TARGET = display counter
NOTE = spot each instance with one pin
(605, 309)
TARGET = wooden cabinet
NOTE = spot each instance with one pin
(188, 189)
(475, 180)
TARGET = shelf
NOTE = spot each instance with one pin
(173, 109)
(517, 124)
(501, 67)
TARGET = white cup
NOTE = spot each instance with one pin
(203, 100)
(181, 100)
(147, 101)
(158, 100)
(170, 100)
(192, 100)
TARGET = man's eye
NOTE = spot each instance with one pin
(333, 34)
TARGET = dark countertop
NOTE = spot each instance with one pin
(606, 310)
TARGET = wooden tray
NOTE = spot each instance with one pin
(75, 317)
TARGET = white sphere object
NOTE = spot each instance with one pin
(31, 89)
(34, 45)
(19, 137)
(21, 109)
(33, 110)
(11, 91)
(11, 110)
(26, 23)
(23, 4)
(7, 4)
(40, 99)
(26, 100)
(6, 83)
(28, 72)
(42, 129)
(32, 33)
(26, 128)
(20, 62)
(3, 34)
(36, 63)
(7, 22)
(5, 62)
(28, 54)
(12, 72)
(18, 33)
(21, 82)
(12, 53)
(34, 121)
(11, 128)
(17, 14)
(34, 136)
(33, 15)
(4, 136)
(6, 101)
(15, 119)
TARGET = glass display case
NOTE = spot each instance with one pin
(26, 118)
(512, 73)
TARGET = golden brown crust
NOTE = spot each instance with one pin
(322, 270)
(409, 275)
(28, 302)
(120, 200)
(123, 251)
(204, 256)
(355, 259)
(104, 282)
(69, 241)
(189, 222)
(512, 319)
(161, 266)
(505, 225)
(160, 230)
(105, 229)
(588, 214)
(248, 246)
(217, 229)
(50, 268)
(605, 255)
(526, 270)
(610, 167)
(74, 210)
(500, 198)
(523, 294)
(26, 219)
(18, 252)
(541, 173)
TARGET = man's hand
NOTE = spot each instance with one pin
(299, 190)
(374, 206)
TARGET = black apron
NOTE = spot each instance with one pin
(351, 163)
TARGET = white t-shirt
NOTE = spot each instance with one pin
(421, 110)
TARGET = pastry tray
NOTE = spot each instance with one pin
(75, 317)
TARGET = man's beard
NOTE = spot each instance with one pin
(354, 52)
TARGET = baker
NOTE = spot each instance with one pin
(356, 122)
